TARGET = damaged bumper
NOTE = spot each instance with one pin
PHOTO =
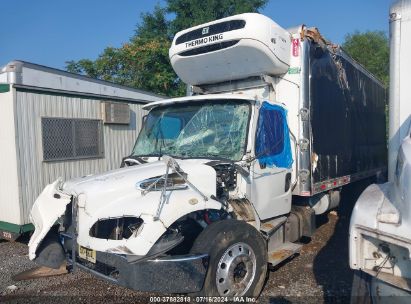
(170, 274)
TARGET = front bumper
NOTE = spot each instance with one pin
(171, 274)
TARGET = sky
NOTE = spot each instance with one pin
(51, 32)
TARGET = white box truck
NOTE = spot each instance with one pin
(227, 180)
(380, 228)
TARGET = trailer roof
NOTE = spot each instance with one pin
(28, 75)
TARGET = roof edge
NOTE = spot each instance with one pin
(17, 66)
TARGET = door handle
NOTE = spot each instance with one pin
(287, 182)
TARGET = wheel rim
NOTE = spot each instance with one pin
(236, 270)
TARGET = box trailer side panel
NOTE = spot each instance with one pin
(348, 125)
(9, 183)
(34, 108)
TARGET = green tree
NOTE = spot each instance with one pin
(154, 25)
(143, 61)
(189, 13)
(371, 49)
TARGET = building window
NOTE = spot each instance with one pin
(68, 138)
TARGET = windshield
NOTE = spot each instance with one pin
(210, 129)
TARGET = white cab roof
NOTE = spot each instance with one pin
(234, 96)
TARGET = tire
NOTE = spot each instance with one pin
(361, 288)
(238, 259)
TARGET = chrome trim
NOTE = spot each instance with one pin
(154, 181)
(304, 127)
(192, 257)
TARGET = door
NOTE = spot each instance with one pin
(271, 170)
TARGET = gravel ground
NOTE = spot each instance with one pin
(320, 274)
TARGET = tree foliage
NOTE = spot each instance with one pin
(371, 49)
(189, 13)
(143, 61)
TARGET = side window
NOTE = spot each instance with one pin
(272, 145)
(270, 133)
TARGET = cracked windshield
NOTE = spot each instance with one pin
(216, 129)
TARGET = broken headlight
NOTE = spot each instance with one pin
(116, 228)
(173, 182)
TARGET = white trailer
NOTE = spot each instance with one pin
(57, 124)
(380, 228)
(225, 181)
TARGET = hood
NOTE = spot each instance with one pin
(110, 187)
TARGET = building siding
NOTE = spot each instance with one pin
(34, 173)
(9, 182)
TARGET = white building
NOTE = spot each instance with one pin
(58, 124)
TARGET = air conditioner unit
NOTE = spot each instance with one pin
(115, 113)
(232, 48)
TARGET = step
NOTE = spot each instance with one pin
(269, 227)
(283, 252)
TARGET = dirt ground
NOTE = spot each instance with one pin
(320, 274)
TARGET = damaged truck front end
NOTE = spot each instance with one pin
(136, 226)
(130, 240)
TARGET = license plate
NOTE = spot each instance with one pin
(87, 254)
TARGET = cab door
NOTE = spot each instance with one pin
(271, 170)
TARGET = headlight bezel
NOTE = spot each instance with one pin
(174, 182)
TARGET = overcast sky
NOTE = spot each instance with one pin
(51, 32)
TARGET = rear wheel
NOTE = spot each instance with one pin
(238, 259)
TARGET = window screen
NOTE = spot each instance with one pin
(67, 138)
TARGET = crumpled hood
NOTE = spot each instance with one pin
(109, 187)
(114, 194)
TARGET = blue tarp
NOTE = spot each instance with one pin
(273, 147)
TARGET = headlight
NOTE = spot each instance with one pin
(174, 182)
(116, 228)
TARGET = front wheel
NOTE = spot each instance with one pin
(361, 288)
(238, 259)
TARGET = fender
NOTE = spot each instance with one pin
(47, 208)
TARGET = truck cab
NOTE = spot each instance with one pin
(250, 134)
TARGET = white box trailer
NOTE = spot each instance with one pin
(57, 124)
